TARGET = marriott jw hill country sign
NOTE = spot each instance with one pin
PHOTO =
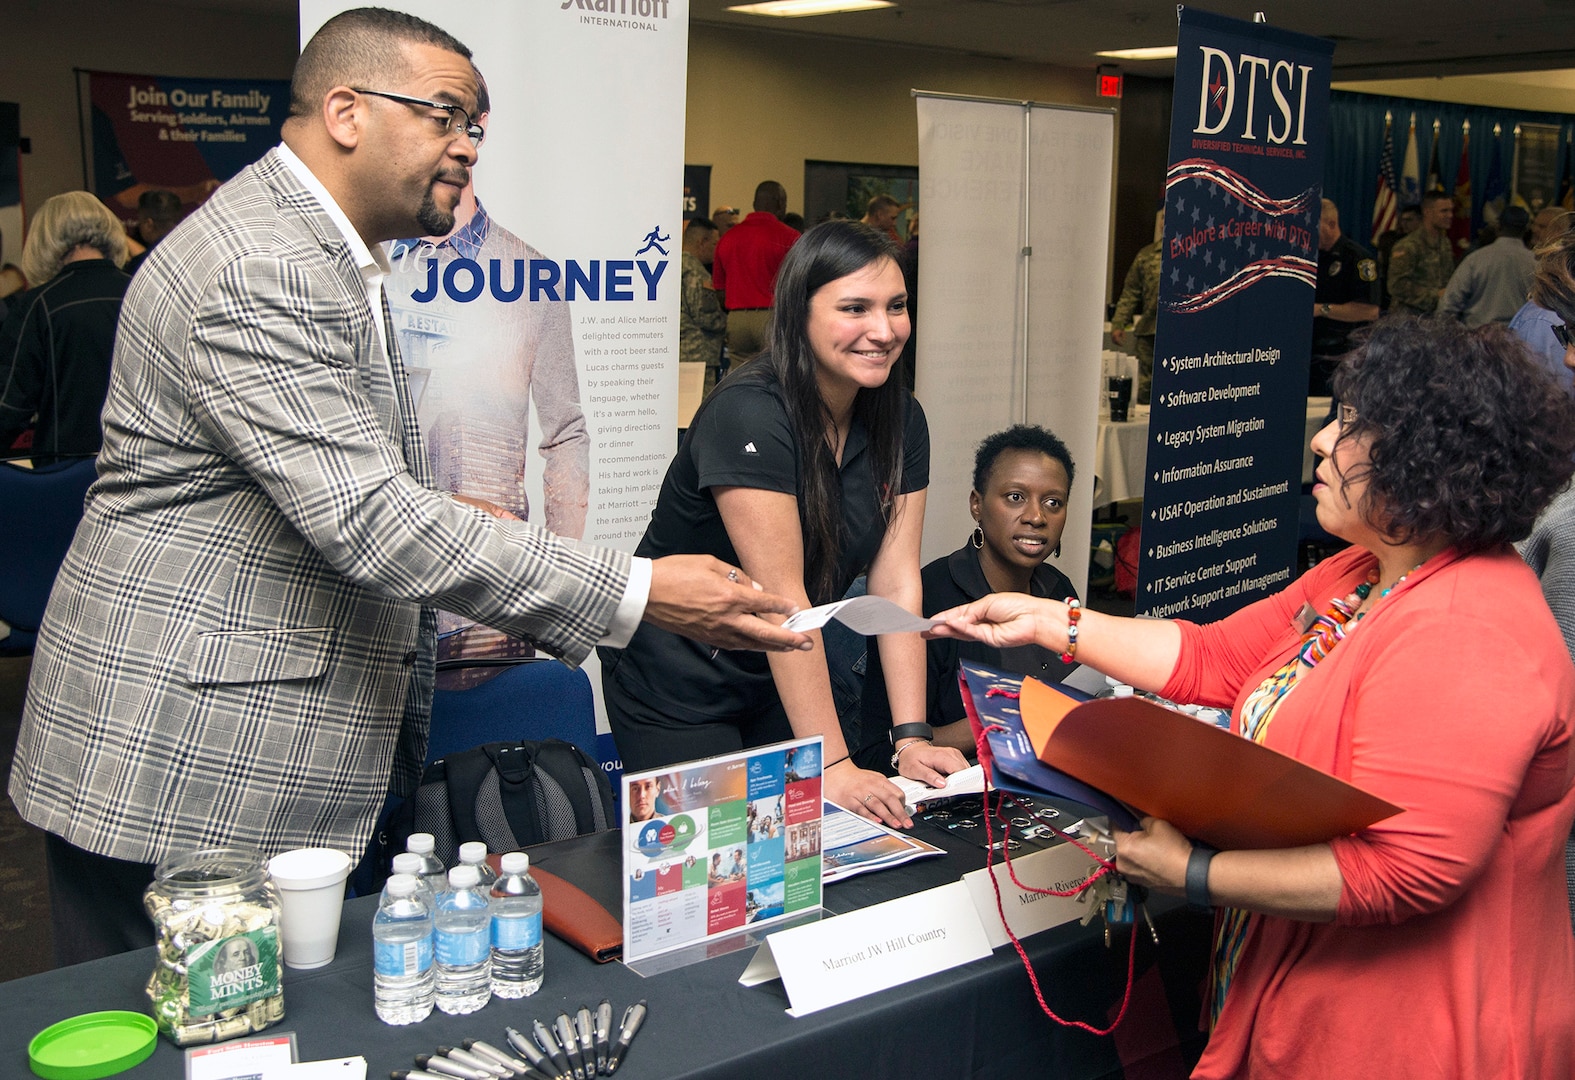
(1242, 191)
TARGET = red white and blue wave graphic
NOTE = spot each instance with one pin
(1225, 234)
(1287, 266)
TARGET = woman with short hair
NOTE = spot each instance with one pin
(1422, 665)
(58, 337)
(1022, 481)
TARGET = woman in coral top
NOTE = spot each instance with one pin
(1435, 943)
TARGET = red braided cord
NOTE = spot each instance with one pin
(1022, 954)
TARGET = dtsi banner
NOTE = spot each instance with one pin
(182, 135)
(1247, 138)
(541, 333)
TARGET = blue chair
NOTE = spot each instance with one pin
(42, 509)
(529, 699)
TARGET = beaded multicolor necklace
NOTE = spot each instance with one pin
(1318, 641)
(1330, 628)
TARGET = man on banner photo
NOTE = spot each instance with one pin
(481, 354)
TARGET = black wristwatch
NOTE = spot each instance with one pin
(909, 731)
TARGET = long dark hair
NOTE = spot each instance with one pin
(825, 253)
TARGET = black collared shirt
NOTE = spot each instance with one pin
(1346, 272)
(743, 437)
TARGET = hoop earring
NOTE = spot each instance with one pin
(1056, 554)
(977, 539)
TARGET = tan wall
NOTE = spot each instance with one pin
(762, 102)
(42, 41)
(1546, 91)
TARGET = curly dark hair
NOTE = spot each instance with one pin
(1470, 437)
(1019, 437)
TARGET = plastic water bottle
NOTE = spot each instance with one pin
(432, 870)
(403, 976)
(518, 959)
(474, 854)
(464, 961)
(408, 862)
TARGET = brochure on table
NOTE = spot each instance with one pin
(717, 848)
(856, 845)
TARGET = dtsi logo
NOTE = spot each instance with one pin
(1217, 97)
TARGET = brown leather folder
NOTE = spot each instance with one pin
(1218, 787)
(569, 912)
(581, 889)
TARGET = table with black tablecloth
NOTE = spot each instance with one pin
(978, 1020)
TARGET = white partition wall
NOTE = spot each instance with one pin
(1016, 202)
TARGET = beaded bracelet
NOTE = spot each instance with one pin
(1074, 611)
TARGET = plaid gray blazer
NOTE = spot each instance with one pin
(238, 647)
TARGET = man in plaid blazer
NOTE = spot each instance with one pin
(238, 649)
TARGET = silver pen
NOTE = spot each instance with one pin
(633, 1017)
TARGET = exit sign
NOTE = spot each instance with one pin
(1109, 84)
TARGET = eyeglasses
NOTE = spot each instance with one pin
(1346, 415)
(1562, 332)
(456, 122)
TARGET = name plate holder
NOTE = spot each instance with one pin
(875, 948)
(1059, 867)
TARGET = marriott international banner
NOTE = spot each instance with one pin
(1248, 132)
(541, 334)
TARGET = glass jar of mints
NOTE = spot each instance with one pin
(216, 917)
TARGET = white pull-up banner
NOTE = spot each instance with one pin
(541, 335)
(1016, 199)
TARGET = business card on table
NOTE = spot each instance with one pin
(241, 1059)
(863, 615)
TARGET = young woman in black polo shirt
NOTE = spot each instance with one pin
(806, 467)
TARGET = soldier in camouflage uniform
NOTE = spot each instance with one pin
(1140, 298)
(1421, 263)
(702, 323)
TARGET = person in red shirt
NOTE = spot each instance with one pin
(744, 269)
(1435, 943)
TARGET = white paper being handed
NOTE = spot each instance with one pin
(863, 615)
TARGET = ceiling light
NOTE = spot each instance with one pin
(797, 9)
(1158, 52)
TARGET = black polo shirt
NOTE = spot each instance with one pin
(1346, 272)
(743, 437)
(951, 581)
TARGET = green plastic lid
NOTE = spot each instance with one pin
(92, 1045)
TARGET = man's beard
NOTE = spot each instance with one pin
(433, 219)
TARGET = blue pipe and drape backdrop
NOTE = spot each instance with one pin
(1356, 134)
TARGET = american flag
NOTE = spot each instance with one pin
(1386, 209)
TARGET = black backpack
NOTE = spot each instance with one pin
(509, 795)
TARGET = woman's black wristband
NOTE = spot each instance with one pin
(1198, 875)
(839, 761)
